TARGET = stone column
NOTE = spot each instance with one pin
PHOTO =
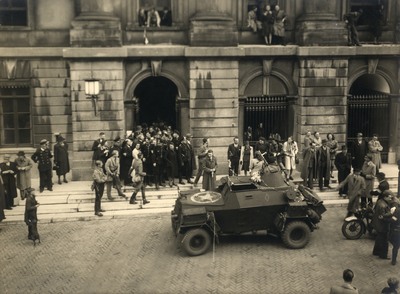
(96, 25)
(110, 118)
(318, 25)
(214, 105)
(184, 115)
(322, 102)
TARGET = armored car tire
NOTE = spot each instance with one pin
(196, 241)
(353, 229)
(296, 234)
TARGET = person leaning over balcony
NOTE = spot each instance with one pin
(99, 178)
(252, 19)
(142, 18)
(153, 18)
(166, 17)
(375, 148)
(42, 157)
(201, 156)
(333, 146)
(24, 166)
(210, 166)
(112, 170)
(290, 150)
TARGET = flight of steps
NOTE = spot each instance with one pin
(75, 201)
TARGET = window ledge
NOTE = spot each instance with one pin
(151, 29)
(15, 28)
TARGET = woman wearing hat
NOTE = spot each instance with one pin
(209, 167)
(61, 160)
(24, 166)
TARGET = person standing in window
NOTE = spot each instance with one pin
(8, 172)
(42, 156)
(351, 20)
(267, 20)
(61, 158)
(166, 17)
(279, 26)
(153, 18)
(142, 18)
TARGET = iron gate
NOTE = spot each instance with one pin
(271, 111)
(369, 114)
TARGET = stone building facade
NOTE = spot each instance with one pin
(207, 74)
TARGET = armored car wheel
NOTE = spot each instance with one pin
(353, 229)
(296, 235)
(196, 241)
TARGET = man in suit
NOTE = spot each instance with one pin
(358, 151)
(368, 172)
(347, 287)
(42, 157)
(309, 166)
(324, 165)
(234, 155)
(112, 171)
(356, 185)
(343, 165)
(380, 222)
(8, 172)
(158, 162)
(98, 145)
(184, 159)
(147, 149)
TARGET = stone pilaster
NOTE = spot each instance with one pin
(96, 25)
(214, 105)
(322, 103)
(110, 118)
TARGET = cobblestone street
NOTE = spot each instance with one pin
(141, 255)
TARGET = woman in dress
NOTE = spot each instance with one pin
(61, 158)
(333, 146)
(209, 167)
(290, 150)
(267, 20)
(24, 166)
(246, 154)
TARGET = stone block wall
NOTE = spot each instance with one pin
(214, 105)
(110, 117)
(322, 103)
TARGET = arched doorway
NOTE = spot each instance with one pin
(368, 110)
(156, 99)
(267, 103)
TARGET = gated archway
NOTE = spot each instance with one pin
(368, 110)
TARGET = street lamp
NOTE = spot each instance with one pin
(92, 89)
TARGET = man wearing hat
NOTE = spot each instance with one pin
(24, 166)
(358, 150)
(42, 156)
(382, 186)
(380, 221)
(343, 165)
(112, 168)
(98, 146)
(368, 172)
(324, 165)
(356, 188)
(8, 172)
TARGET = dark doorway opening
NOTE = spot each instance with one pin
(157, 101)
(368, 109)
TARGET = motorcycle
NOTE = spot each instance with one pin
(356, 226)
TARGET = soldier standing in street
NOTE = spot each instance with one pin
(99, 179)
(42, 156)
(356, 185)
(8, 172)
(343, 165)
